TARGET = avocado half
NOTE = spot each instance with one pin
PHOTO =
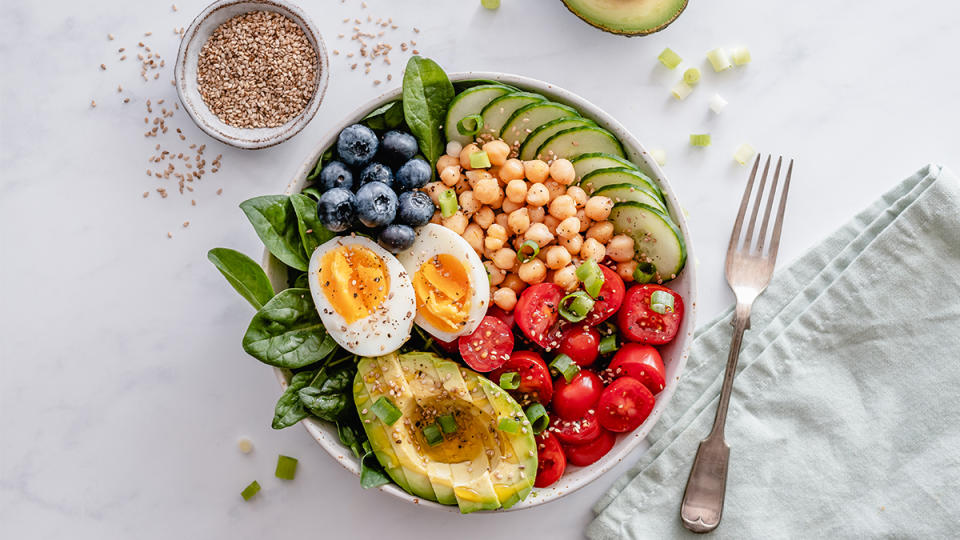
(627, 17)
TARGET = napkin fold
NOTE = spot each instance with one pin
(845, 414)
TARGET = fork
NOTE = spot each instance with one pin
(748, 271)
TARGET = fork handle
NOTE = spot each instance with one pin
(740, 322)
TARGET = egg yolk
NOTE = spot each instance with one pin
(442, 287)
(354, 280)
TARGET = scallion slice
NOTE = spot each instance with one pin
(251, 490)
(644, 272)
(700, 139)
(718, 59)
(575, 306)
(448, 424)
(565, 366)
(608, 344)
(432, 434)
(740, 55)
(681, 90)
(470, 125)
(510, 380)
(448, 203)
(717, 103)
(669, 58)
(590, 275)
(528, 251)
(490, 4)
(659, 155)
(479, 160)
(691, 76)
(744, 153)
(386, 411)
(509, 424)
(286, 467)
(661, 302)
(538, 417)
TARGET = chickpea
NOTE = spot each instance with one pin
(578, 194)
(557, 257)
(487, 191)
(509, 206)
(569, 227)
(537, 214)
(446, 161)
(585, 222)
(625, 269)
(563, 207)
(496, 237)
(497, 151)
(450, 176)
(592, 249)
(462, 185)
(572, 243)
(469, 203)
(512, 169)
(539, 233)
(475, 176)
(598, 208)
(519, 220)
(505, 298)
(532, 271)
(495, 172)
(501, 220)
(437, 218)
(484, 217)
(514, 282)
(601, 232)
(517, 191)
(434, 189)
(496, 275)
(466, 153)
(566, 277)
(456, 223)
(453, 149)
(473, 234)
(551, 223)
(538, 195)
(561, 170)
(498, 204)
(536, 171)
(504, 258)
(555, 189)
(620, 248)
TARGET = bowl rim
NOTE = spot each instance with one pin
(270, 136)
(328, 439)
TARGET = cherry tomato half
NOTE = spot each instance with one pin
(550, 460)
(581, 343)
(577, 431)
(489, 346)
(638, 322)
(503, 315)
(449, 347)
(535, 381)
(572, 400)
(537, 315)
(624, 405)
(640, 362)
(609, 298)
(588, 453)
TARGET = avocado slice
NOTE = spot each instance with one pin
(627, 17)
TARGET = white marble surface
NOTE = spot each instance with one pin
(124, 387)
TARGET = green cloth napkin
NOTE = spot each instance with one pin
(845, 414)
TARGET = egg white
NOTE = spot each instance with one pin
(432, 240)
(384, 330)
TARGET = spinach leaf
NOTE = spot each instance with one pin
(312, 232)
(287, 332)
(427, 93)
(315, 172)
(302, 281)
(312, 192)
(388, 116)
(290, 409)
(371, 472)
(329, 393)
(275, 221)
(244, 274)
(351, 436)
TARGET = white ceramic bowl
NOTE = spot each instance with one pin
(674, 354)
(185, 74)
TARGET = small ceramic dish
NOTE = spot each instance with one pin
(186, 73)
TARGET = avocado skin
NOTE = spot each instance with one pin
(640, 32)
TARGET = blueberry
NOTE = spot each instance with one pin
(357, 145)
(376, 172)
(398, 147)
(376, 204)
(412, 175)
(337, 209)
(415, 208)
(335, 175)
(396, 238)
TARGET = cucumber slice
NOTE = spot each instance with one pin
(498, 111)
(528, 150)
(631, 192)
(656, 238)
(530, 117)
(620, 175)
(582, 140)
(470, 101)
(585, 164)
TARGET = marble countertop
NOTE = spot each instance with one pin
(123, 386)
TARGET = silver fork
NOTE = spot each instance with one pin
(748, 271)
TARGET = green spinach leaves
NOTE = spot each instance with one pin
(312, 231)
(244, 274)
(275, 221)
(287, 332)
(427, 93)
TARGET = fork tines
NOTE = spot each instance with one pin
(749, 244)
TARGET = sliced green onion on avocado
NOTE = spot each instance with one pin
(509, 424)
(590, 275)
(251, 490)
(448, 424)
(661, 302)
(386, 411)
(575, 306)
(565, 366)
(448, 203)
(528, 251)
(432, 434)
(539, 419)
(286, 467)
(510, 380)
(608, 344)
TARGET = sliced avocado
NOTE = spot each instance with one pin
(515, 470)
(627, 17)
(379, 440)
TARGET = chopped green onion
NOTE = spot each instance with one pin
(660, 156)
(661, 302)
(286, 467)
(717, 103)
(718, 59)
(575, 306)
(510, 380)
(744, 153)
(386, 411)
(470, 125)
(608, 344)
(432, 434)
(691, 76)
(669, 58)
(565, 366)
(479, 160)
(700, 140)
(740, 55)
(509, 425)
(447, 423)
(681, 90)
(539, 419)
(525, 256)
(251, 490)
(644, 272)
(590, 275)
(448, 203)
(490, 4)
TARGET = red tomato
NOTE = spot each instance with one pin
(535, 381)
(640, 362)
(500, 313)
(624, 405)
(449, 347)
(581, 343)
(577, 431)
(641, 324)
(489, 346)
(550, 460)
(572, 400)
(588, 453)
(536, 314)
(608, 300)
